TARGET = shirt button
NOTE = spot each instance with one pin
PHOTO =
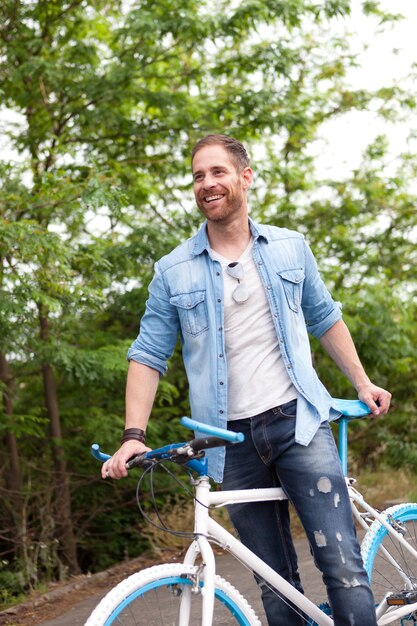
(221, 412)
(288, 367)
(220, 328)
(217, 273)
(220, 356)
(268, 287)
(221, 382)
(259, 262)
(219, 299)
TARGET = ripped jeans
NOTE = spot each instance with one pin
(313, 480)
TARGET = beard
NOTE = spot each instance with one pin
(230, 205)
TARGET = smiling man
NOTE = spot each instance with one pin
(243, 297)
(219, 188)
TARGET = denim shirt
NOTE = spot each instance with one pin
(186, 298)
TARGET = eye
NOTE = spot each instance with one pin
(198, 178)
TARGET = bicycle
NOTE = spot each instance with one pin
(191, 592)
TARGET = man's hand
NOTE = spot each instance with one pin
(116, 466)
(338, 343)
(376, 398)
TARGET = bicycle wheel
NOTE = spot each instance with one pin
(386, 576)
(153, 598)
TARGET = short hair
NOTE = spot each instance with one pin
(236, 149)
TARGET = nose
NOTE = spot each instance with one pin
(209, 182)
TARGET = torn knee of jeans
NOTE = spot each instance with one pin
(320, 539)
(350, 583)
(324, 484)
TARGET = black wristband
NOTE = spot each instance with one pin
(133, 434)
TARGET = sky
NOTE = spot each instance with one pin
(389, 58)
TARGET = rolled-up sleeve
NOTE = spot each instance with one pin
(159, 328)
(321, 312)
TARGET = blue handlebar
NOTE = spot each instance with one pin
(100, 456)
(227, 435)
(351, 408)
(159, 453)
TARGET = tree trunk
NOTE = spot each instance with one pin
(12, 476)
(12, 499)
(65, 529)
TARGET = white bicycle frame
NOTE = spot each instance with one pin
(207, 529)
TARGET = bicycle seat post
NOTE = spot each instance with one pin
(343, 443)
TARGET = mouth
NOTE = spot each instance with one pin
(213, 198)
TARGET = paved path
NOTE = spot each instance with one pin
(235, 573)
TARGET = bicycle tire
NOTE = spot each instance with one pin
(152, 598)
(383, 575)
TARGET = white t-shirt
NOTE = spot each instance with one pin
(257, 377)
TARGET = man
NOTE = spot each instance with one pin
(242, 296)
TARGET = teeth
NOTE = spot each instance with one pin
(212, 198)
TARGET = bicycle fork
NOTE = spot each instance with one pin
(200, 546)
(204, 584)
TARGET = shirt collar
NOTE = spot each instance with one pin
(201, 242)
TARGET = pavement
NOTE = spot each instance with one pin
(228, 568)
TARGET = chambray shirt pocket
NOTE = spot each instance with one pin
(292, 282)
(192, 311)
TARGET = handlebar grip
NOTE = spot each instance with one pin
(134, 461)
(205, 429)
(100, 456)
(204, 443)
(139, 460)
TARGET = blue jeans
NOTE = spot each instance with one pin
(312, 478)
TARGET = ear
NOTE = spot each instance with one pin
(246, 176)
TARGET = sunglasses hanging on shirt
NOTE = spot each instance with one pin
(236, 271)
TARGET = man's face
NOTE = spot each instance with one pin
(219, 188)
